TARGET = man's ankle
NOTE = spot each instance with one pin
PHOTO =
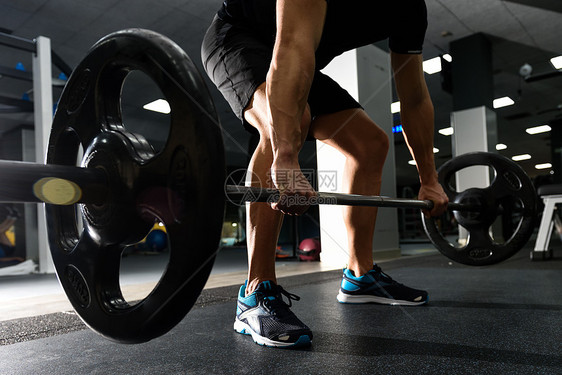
(252, 285)
(359, 270)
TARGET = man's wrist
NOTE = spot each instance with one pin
(429, 177)
(285, 153)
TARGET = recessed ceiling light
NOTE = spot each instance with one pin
(503, 102)
(435, 150)
(447, 57)
(159, 105)
(432, 66)
(538, 129)
(501, 146)
(543, 166)
(556, 62)
(395, 107)
(521, 157)
(446, 131)
(412, 162)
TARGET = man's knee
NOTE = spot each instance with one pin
(371, 147)
(256, 114)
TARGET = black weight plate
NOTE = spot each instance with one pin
(510, 186)
(182, 186)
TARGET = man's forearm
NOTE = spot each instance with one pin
(299, 30)
(417, 123)
(288, 84)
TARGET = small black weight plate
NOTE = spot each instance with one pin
(182, 186)
(510, 192)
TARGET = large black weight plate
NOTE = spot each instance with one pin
(511, 191)
(182, 186)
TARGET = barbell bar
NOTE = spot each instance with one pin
(66, 185)
(256, 194)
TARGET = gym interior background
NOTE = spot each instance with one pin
(526, 57)
(523, 38)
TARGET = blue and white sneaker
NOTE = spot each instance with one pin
(267, 318)
(377, 287)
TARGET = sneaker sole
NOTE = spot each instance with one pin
(245, 329)
(351, 299)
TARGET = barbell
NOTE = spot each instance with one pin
(100, 202)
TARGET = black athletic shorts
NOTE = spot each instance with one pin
(237, 62)
(237, 49)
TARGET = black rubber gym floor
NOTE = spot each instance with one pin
(502, 319)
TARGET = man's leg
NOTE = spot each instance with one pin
(365, 146)
(263, 224)
(261, 310)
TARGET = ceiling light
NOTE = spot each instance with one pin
(543, 166)
(432, 66)
(395, 107)
(521, 157)
(447, 57)
(556, 62)
(435, 150)
(503, 102)
(501, 146)
(159, 105)
(412, 162)
(446, 131)
(538, 129)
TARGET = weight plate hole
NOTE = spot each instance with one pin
(145, 113)
(449, 228)
(143, 264)
(466, 177)
(508, 221)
